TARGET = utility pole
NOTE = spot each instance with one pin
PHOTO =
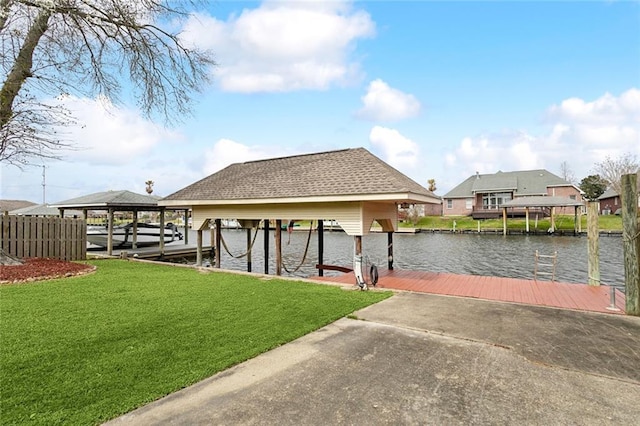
(44, 184)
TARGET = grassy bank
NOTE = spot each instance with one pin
(605, 223)
(84, 350)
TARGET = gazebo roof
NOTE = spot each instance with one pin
(108, 199)
(543, 201)
(343, 175)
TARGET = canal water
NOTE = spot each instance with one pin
(475, 254)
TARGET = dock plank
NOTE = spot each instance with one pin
(514, 290)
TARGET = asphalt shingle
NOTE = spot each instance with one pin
(345, 172)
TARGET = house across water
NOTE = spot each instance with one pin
(483, 195)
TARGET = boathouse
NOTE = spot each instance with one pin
(351, 186)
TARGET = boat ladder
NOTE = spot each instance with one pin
(545, 265)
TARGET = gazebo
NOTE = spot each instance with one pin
(350, 186)
(116, 201)
(541, 201)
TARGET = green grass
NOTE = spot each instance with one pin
(563, 222)
(84, 350)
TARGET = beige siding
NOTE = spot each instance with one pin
(350, 215)
(376, 211)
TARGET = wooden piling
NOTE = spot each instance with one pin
(218, 245)
(631, 243)
(278, 247)
(249, 249)
(320, 245)
(593, 243)
(199, 247)
(266, 246)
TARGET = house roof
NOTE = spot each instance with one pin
(43, 210)
(353, 174)
(103, 200)
(609, 193)
(9, 205)
(522, 183)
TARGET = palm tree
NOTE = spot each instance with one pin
(149, 184)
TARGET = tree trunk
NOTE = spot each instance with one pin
(21, 69)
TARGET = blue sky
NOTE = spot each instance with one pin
(437, 89)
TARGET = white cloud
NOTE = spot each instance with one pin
(226, 152)
(106, 134)
(581, 133)
(384, 103)
(283, 46)
(397, 150)
(607, 109)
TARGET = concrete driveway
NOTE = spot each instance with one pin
(428, 359)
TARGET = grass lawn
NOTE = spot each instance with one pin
(563, 222)
(84, 350)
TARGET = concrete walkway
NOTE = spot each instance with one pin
(429, 359)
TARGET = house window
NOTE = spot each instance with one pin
(495, 200)
(573, 197)
(469, 203)
(449, 203)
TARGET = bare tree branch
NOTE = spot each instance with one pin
(90, 48)
(612, 169)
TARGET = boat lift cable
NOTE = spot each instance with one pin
(304, 256)
(226, 248)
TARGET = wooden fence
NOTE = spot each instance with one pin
(52, 237)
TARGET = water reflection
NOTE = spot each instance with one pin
(494, 255)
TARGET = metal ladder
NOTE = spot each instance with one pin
(545, 265)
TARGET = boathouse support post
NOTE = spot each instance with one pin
(320, 246)
(390, 251)
(278, 247)
(553, 219)
(218, 241)
(357, 245)
(249, 249)
(526, 216)
(575, 220)
(186, 227)
(110, 231)
(504, 221)
(161, 233)
(631, 243)
(357, 261)
(266, 246)
(199, 247)
(134, 237)
(593, 248)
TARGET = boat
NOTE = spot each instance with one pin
(147, 235)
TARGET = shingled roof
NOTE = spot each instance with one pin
(111, 199)
(348, 172)
(522, 183)
(9, 205)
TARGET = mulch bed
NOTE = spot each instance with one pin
(37, 269)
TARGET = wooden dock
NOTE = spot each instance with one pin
(580, 297)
